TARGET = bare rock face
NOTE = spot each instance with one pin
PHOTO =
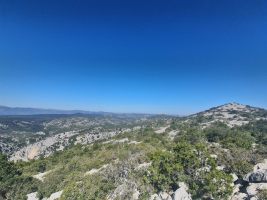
(43, 147)
(59, 141)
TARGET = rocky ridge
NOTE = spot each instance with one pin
(232, 114)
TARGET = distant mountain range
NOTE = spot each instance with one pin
(5, 110)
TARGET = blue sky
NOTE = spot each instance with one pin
(176, 56)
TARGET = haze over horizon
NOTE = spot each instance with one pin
(179, 57)
(40, 110)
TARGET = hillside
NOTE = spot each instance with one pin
(36, 135)
(215, 154)
(232, 114)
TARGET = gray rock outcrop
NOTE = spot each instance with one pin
(259, 176)
(180, 194)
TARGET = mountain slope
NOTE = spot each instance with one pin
(44, 134)
(158, 157)
(232, 114)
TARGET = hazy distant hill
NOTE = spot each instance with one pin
(5, 110)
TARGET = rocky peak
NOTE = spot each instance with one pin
(234, 107)
(232, 114)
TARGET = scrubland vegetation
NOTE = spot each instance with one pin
(187, 158)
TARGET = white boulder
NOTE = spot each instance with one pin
(165, 196)
(239, 196)
(181, 193)
(254, 188)
(32, 196)
(154, 197)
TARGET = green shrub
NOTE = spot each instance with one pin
(13, 185)
(164, 173)
(91, 188)
(216, 185)
(216, 132)
(238, 139)
(8, 175)
(191, 164)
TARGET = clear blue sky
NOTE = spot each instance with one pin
(175, 56)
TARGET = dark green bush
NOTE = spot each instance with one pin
(191, 164)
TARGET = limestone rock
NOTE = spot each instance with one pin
(181, 193)
(124, 190)
(54, 196)
(165, 196)
(136, 195)
(235, 177)
(254, 188)
(160, 196)
(32, 196)
(239, 196)
(259, 176)
(41, 176)
(154, 197)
